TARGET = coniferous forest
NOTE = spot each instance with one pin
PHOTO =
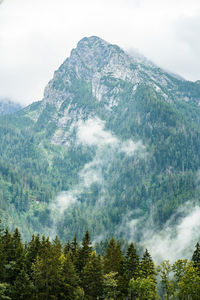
(44, 269)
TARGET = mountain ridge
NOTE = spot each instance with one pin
(114, 138)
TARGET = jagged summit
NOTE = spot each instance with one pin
(103, 67)
(91, 41)
(97, 72)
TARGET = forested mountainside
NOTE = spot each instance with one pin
(115, 139)
(8, 107)
(44, 269)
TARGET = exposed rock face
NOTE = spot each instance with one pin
(92, 81)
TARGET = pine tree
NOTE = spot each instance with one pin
(23, 287)
(13, 255)
(69, 282)
(84, 252)
(92, 278)
(132, 262)
(75, 253)
(196, 256)
(114, 262)
(147, 267)
(47, 269)
(113, 259)
(32, 251)
(18, 253)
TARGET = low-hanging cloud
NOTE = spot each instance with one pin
(92, 133)
(175, 241)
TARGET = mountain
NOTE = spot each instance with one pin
(112, 147)
(8, 107)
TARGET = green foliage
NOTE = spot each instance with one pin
(164, 270)
(92, 277)
(143, 289)
(147, 266)
(132, 262)
(189, 284)
(110, 285)
(44, 269)
(196, 256)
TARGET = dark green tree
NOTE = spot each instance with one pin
(114, 262)
(83, 253)
(69, 281)
(92, 281)
(132, 262)
(196, 256)
(32, 251)
(23, 287)
(47, 269)
(147, 266)
(113, 259)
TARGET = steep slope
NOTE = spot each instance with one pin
(118, 136)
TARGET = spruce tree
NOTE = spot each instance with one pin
(47, 269)
(23, 287)
(32, 251)
(147, 267)
(113, 259)
(69, 282)
(84, 252)
(92, 278)
(132, 262)
(196, 256)
(114, 262)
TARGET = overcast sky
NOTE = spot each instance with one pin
(37, 35)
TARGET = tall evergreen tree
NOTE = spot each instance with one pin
(113, 259)
(132, 262)
(32, 251)
(23, 287)
(46, 269)
(196, 256)
(92, 281)
(69, 282)
(114, 262)
(84, 252)
(147, 266)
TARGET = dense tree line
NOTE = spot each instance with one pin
(44, 269)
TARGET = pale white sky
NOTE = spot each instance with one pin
(37, 35)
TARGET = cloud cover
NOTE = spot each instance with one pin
(36, 36)
(175, 241)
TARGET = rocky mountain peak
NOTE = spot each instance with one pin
(96, 75)
(92, 58)
(93, 54)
